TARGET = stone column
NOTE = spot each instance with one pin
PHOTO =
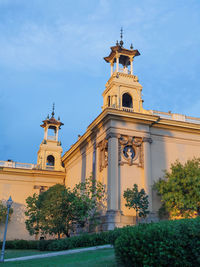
(113, 177)
(131, 61)
(111, 68)
(94, 161)
(117, 63)
(57, 129)
(147, 169)
(113, 215)
(45, 133)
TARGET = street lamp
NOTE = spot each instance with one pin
(9, 204)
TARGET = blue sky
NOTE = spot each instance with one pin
(52, 51)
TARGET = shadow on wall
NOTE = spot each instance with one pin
(16, 225)
(158, 152)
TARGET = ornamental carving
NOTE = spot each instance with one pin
(103, 154)
(131, 150)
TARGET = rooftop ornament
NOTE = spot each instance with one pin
(53, 113)
(120, 55)
(121, 36)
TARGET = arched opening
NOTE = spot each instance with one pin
(108, 101)
(127, 101)
(52, 132)
(50, 161)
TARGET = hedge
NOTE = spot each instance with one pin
(168, 243)
(21, 244)
(83, 240)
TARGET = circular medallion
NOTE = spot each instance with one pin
(129, 152)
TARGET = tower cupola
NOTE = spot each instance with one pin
(49, 154)
(120, 58)
(51, 126)
(123, 90)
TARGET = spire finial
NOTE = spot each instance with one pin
(121, 36)
(121, 33)
(53, 110)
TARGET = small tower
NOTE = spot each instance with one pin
(49, 154)
(123, 90)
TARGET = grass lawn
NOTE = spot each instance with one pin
(14, 253)
(103, 257)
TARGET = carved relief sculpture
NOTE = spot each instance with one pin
(103, 154)
(130, 150)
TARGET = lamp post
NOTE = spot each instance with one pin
(9, 204)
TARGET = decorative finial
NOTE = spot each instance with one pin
(131, 47)
(53, 110)
(58, 118)
(117, 43)
(48, 116)
(121, 36)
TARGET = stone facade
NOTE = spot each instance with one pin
(123, 146)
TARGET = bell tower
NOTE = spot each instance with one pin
(49, 154)
(123, 90)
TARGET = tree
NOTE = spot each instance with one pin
(93, 193)
(59, 210)
(137, 200)
(3, 212)
(180, 189)
(33, 210)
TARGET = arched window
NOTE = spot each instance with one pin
(127, 101)
(108, 101)
(50, 160)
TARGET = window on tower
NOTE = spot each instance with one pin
(108, 101)
(127, 101)
(50, 162)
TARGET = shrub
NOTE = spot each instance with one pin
(21, 244)
(83, 240)
(168, 243)
(43, 244)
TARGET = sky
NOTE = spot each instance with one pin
(52, 51)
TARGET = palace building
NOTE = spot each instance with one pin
(123, 146)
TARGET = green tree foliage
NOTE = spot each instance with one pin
(59, 210)
(93, 196)
(3, 212)
(180, 189)
(137, 200)
(33, 213)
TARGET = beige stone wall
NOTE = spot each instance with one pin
(167, 147)
(130, 175)
(20, 184)
(168, 144)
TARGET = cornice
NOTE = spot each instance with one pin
(106, 115)
(148, 119)
(178, 125)
(32, 172)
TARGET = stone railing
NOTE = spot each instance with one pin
(164, 115)
(18, 165)
(13, 164)
(49, 167)
(127, 109)
(176, 116)
(51, 137)
(124, 70)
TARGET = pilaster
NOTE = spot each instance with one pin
(147, 169)
(113, 175)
